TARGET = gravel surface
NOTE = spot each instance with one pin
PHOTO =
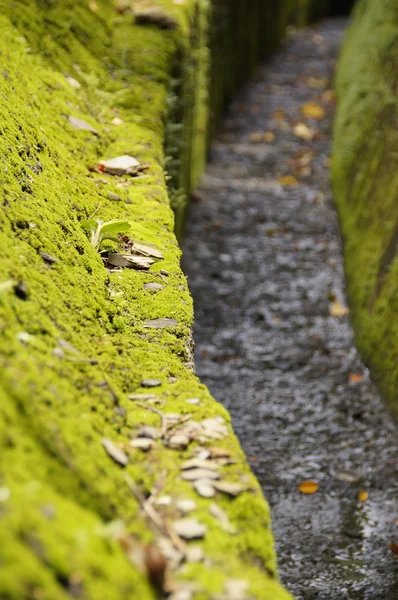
(264, 265)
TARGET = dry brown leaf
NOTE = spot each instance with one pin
(308, 487)
(279, 115)
(354, 378)
(317, 83)
(394, 548)
(336, 309)
(329, 96)
(312, 110)
(288, 180)
(363, 496)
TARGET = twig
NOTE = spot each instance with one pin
(147, 507)
(175, 539)
(95, 212)
(181, 420)
(163, 417)
(164, 527)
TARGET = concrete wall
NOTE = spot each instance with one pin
(365, 182)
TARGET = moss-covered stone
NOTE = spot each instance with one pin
(73, 336)
(365, 181)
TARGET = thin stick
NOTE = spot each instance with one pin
(148, 508)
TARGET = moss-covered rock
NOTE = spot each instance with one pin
(75, 338)
(365, 181)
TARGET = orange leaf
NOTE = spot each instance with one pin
(312, 110)
(258, 138)
(363, 496)
(308, 487)
(279, 115)
(394, 548)
(354, 378)
(336, 309)
(288, 180)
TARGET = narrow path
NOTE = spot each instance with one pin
(264, 264)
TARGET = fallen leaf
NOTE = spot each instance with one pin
(193, 554)
(147, 251)
(302, 131)
(186, 506)
(204, 488)
(336, 309)
(129, 261)
(120, 165)
(75, 84)
(312, 110)
(48, 258)
(143, 444)
(154, 15)
(354, 378)
(195, 474)
(189, 529)
(279, 115)
(150, 383)
(160, 323)
(347, 477)
(178, 441)
(216, 452)
(288, 180)
(394, 548)
(153, 287)
(193, 401)
(156, 565)
(197, 463)
(317, 83)
(363, 496)
(329, 96)
(93, 5)
(115, 452)
(308, 487)
(229, 487)
(258, 138)
(83, 125)
(114, 197)
(218, 513)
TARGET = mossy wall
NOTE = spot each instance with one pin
(365, 183)
(76, 339)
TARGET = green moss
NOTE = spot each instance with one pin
(365, 184)
(75, 344)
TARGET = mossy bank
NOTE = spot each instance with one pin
(365, 181)
(78, 339)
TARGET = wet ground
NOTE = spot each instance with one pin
(264, 266)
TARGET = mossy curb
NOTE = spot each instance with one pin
(365, 182)
(75, 341)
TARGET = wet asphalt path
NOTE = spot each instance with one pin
(264, 264)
